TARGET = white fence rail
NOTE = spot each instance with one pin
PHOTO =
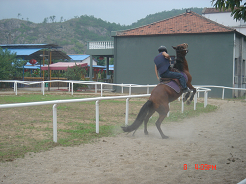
(222, 87)
(55, 102)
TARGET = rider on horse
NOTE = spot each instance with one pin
(162, 66)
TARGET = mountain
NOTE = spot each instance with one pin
(73, 34)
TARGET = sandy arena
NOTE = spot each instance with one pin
(216, 139)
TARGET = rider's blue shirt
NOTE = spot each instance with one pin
(161, 63)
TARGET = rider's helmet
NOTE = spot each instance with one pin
(162, 49)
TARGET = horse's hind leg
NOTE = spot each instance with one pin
(146, 120)
(162, 115)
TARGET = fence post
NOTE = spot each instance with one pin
(195, 101)
(101, 89)
(97, 116)
(127, 111)
(15, 88)
(96, 88)
(169, 110)
(130, 89)
(122, 90)
(43, 87)
(205, 98)
(223, 93)
(182, 102)
(147, 88)
(72, 89)
(55, 123)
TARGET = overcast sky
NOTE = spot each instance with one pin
(118, 11)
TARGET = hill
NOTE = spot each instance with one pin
(73, 34)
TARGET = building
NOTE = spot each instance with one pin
(82, 58)
(225, 18)
(216, 55)
(104, 49)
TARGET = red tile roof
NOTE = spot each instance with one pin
(189, 22)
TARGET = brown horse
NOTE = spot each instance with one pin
(162, 95)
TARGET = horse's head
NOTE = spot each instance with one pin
(181, 49)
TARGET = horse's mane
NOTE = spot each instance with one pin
(179, 65)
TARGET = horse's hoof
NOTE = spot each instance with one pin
(188, 102)
(165, 137)
(146, 133)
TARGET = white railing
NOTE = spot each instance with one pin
(55, 102)
(71, 82)
(222, 87)
(100, 45)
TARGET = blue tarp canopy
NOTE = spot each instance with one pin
(111, 67)
(23, 52)
(78, 57)
(32, 67)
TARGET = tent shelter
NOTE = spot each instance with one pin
(63, 65)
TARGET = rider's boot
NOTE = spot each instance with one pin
(185, 90)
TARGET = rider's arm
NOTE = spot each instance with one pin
(156, 72)
(166, 55)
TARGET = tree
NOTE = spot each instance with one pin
(45, 20)
(52, 18)
(8, 65)
(238, 12)
(75, 73)
(19, 15)
(61, 20)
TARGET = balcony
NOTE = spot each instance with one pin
(100, 48)
(100, 45)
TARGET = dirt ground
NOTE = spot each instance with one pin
(216, 139)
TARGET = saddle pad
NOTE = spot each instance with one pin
(172, 84)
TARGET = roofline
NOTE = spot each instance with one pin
(49, 46)
(115, 33)
(175, 34)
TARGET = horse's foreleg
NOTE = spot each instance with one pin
(193, 94)
(186, 96)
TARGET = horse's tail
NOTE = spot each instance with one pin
(140, 118)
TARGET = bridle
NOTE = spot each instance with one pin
(187, 50)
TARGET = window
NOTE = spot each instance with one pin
(235, 71)
(243, 68)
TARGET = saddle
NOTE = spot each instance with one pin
(173, 83)
(167, 80)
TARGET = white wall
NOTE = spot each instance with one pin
(226, 19)
(87, 60)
